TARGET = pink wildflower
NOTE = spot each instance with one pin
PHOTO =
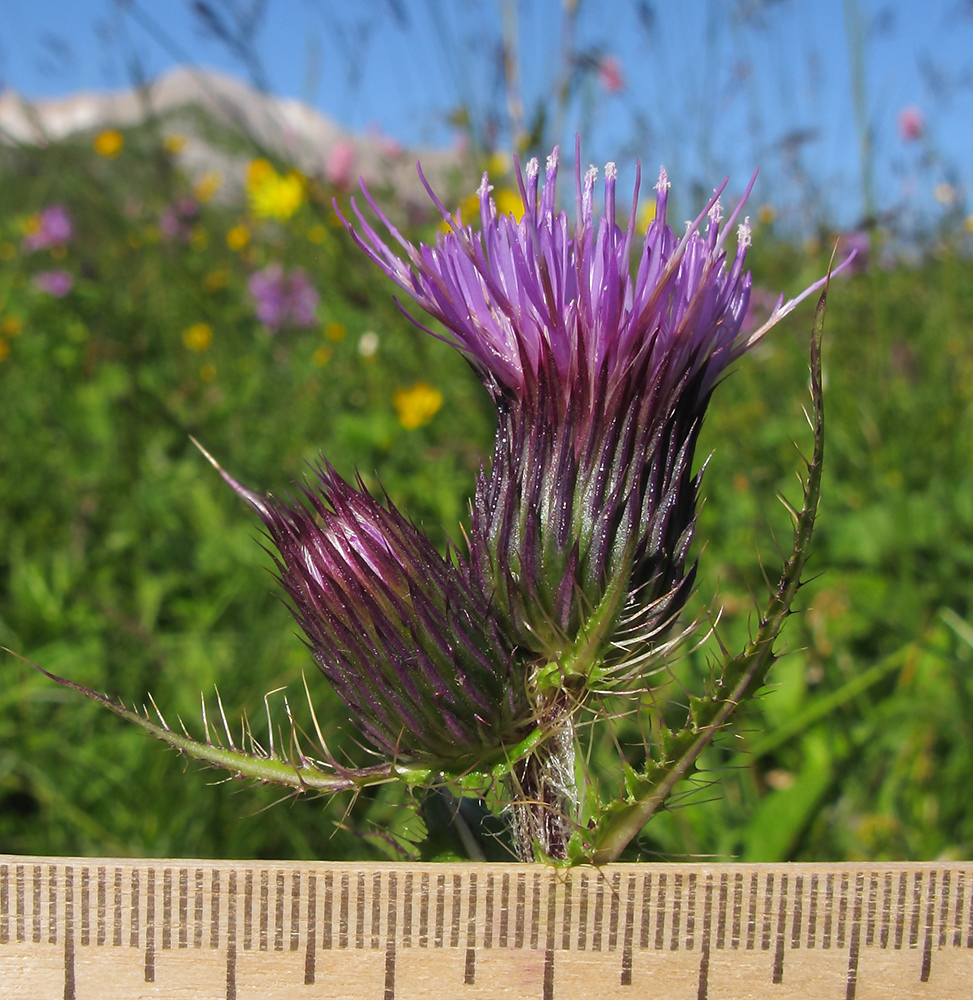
(610, 74)
(912, 124)
(56, 283)
(339, 163)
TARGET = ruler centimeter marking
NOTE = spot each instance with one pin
(61, 912)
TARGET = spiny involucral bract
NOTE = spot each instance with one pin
(398, 630)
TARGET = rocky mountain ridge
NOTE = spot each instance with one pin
(184, 100)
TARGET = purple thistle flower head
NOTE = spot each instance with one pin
(582, 526)
(397, 629)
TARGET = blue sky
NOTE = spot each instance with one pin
(717, 86)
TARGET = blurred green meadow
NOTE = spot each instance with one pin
(128, 566)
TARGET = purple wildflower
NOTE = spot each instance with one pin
(56, 283)
(282, 299)
(267, 289)
(582, 526)
(860, 243)
(303, 299)
(48, 228)
(176, 220)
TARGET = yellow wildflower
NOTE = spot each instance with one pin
(11, 326)
(216, 280)
(509, 202)
(322, 356)
(207, 373)
(199, 238)
(258, 172)
(417, 405)
(767, 213)
(273, 195)
(469, 212)
(499, 165)
(198, 337)
(645, 216)
(174, 143)
(4, 349)
(334, 330)
(109, 143)
(317, 233)
(238, 237)
(208, 185)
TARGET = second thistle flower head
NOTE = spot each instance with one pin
(396, 628)
(601, 376)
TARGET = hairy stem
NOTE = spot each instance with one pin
(543, 795)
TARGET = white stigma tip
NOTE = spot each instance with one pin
(485, 187)
(552, 161)
(533, 168)
(611, 171)
(663, 183)
(744, 234)
(716, 212)
(591, 175)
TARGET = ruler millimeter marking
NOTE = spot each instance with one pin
(93, 929)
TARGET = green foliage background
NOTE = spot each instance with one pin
(126, 565)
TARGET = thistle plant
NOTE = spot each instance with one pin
(473, 670)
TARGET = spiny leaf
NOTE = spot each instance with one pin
(303, 775)
(741, 676)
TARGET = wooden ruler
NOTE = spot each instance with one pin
(101, 929)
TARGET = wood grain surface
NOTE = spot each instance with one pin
(101, 929)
